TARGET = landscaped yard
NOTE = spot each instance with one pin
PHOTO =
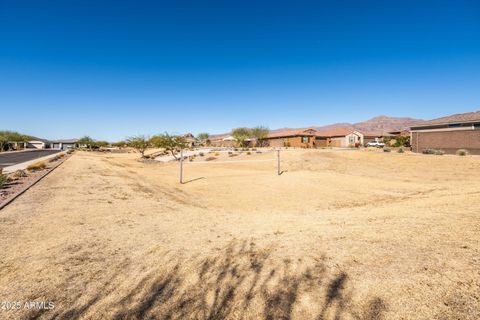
(339, 235)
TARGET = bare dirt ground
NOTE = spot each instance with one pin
(339, 235)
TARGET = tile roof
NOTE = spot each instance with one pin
(339, 132)
(292, 133)
(455, 118)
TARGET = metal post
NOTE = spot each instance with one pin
(278, 161)
(181, 165)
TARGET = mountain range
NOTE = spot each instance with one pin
(377, 124)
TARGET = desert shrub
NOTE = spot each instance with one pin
(428, 151)
(248, 152)
(217, 154)
(3, 180)
(439, 152)
(235, 149)
(259, 152)
(201, 154)
(401, 150)
(230, 152)
(19, 174)
(210, 158)
(233, 155)
(462, 152)
(387, 149)
(254, 149)
(402, 141)
(53, 159)
(37, 166)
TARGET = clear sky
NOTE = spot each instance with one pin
(111, 69)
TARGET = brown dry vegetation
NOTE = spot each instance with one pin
(339, 235)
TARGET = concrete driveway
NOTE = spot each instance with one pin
(13, 158)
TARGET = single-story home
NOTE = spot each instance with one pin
(451, 133)
(339, 138)
(65, 144)
(190, 139)
(312, 138)
(38, 143)
(298, 138)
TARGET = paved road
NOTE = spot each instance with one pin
(12, 158)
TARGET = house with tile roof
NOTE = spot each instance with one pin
(312, 138)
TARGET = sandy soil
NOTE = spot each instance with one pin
(339, 235)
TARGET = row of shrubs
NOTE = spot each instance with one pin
(399, 150)
(460, 152)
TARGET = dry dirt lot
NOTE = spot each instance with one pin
(339, 235)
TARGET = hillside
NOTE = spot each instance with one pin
(376, 124)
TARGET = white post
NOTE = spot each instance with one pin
(278, 161)
(181, 165)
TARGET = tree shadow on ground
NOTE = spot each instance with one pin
(240, 282)
(244, 283)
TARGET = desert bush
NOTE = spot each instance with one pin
(210, 158)
(3, 180)
(217, 154)
(53, 159)
(401, 150)
(387, 149)
(19, 174)
(37, 166)
(235, 149)
(230, 152)
(201, 154)
(254, 149)
(439, 152)
(259, 152)
(428, 151)
(233, 155)
(248, 152)
(462, 152)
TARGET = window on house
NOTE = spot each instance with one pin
(476, 125)
(304, 139)
(454, 125)
(351, 139)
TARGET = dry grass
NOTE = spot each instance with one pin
(37, 166)
(339, 235)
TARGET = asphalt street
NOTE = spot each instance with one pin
(12, 158)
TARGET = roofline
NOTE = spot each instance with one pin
(444, 123)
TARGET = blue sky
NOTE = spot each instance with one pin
(111, 69)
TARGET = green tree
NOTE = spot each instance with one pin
(140, 142)
(202, 138)
(86, 140)
(11, 136)
(170, 143)
(242, 134)
(101, 144)
(260, 133)
(119, 144)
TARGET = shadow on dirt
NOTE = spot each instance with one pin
(241, 282)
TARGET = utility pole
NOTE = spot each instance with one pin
(181, 166)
